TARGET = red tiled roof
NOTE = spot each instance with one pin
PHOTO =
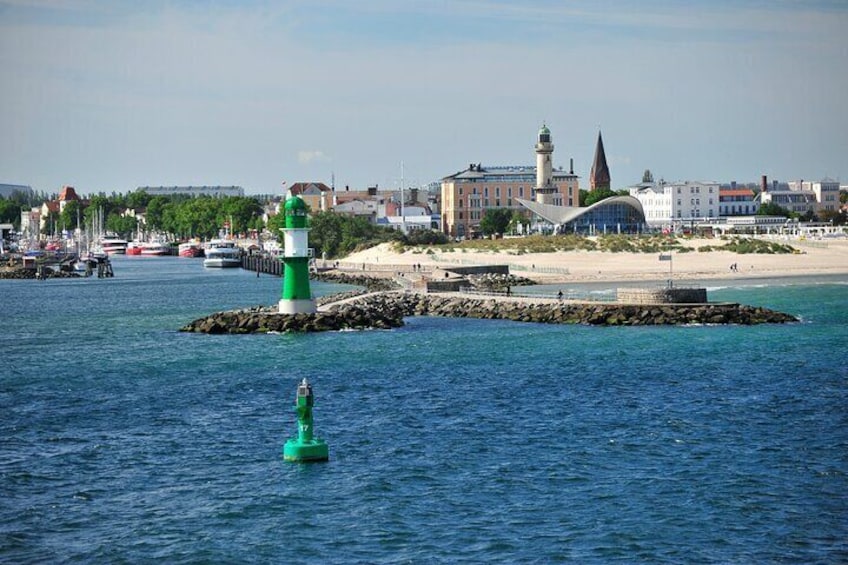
(68, 193)
(299, 188)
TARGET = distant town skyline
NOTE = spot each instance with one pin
(108, 96)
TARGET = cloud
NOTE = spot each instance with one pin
(309, 157)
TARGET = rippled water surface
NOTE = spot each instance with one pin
(450, 440)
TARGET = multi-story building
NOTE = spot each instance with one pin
(7, 190)
(317, 195)
(827, 194)
(804, 197)
(798, 201)
(670, 204)
(467, 195)
(738, 201)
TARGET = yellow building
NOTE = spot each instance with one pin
(467, 194)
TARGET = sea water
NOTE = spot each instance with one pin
(467, 441)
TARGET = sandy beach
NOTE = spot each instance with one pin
(814, 257)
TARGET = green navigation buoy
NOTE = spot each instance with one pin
(305, 448)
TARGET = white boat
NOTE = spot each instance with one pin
(222, 253)
(155, 248)
(113, 245)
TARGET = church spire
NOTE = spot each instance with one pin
(600, 175)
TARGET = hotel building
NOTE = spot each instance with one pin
(467, 195)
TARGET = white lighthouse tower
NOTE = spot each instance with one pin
(297, 298)
(545, 188)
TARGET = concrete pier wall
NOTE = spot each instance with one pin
(661, 295)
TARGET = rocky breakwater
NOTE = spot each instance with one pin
(498, 281)
(267, 319)
(45, 273)
(369, 281)
(606, 314)
(385, 310)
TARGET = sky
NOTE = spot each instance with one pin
(112, 95)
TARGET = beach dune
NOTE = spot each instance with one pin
(813, 257)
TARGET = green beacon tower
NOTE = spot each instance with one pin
(305, 448)
(297, 298)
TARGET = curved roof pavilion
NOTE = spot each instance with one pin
(616, 214)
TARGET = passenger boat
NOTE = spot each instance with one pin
(222, 253)
(113, 245)
(155, 248)
(190, 249)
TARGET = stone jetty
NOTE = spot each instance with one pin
(384, 310)
(20, 273)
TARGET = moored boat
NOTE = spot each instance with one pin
(134, 248)
(190, 249)
(155, 248)
(222, 253)
(113, 245)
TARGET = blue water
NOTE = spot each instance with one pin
(465, 441)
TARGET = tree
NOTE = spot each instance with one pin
(242, 211)
(124, 226)
(69, 215)
(336, 235)
(425, 237)
(598, 194)
(10, 212)
(773, 209)
(50, 223)
(155, 211)
(835, 217)
(495, 221)
(137, 199)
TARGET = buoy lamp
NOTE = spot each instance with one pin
(305, 448)
(296, 298)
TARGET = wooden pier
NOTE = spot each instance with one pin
(263, 264)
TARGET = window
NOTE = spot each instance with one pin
(497, 191)
(509, 191)
(460, 191)
(521, 191)
(486, 191)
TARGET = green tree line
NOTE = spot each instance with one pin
(181, 216)
(334, 235)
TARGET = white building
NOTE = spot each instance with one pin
(795, 199)
(827, 194)
(737, 202)
(677, 203)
